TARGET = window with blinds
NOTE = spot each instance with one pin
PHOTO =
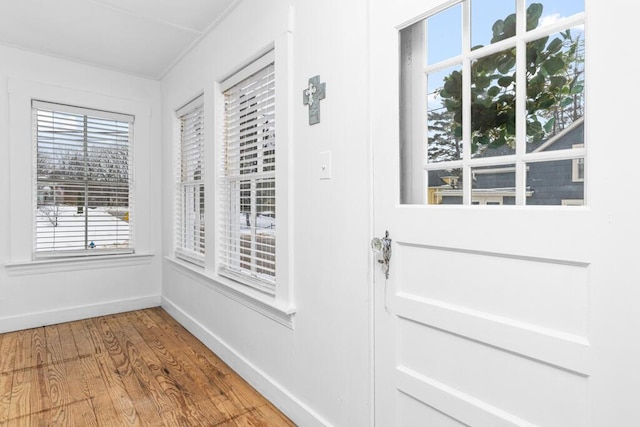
(248, 185)
(190, 192)
(83, 181)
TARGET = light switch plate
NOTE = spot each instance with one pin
(325, 165)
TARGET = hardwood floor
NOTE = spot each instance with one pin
(139, 368)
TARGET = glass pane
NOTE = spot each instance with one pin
(246, 214)
(445, 187)
(266, 227)
(492, 21)
(493, 104)
(555, 87)
(266, 204)
(544, 12)
(554, 183)
(444, 115)
(413, 114)
(493, 185)
(444, 35)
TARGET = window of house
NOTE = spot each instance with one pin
(573, 202)
(190, 192)
(493, 85)
(83, 203)
(577, 173)
(247, 190)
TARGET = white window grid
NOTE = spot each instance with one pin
(520, 158)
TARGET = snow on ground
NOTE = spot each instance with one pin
(264, 224)
(104, 229)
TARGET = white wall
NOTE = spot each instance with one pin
(33, 294)
(319, 372)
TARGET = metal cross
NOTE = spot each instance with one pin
(311, 96)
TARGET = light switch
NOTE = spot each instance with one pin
(325, 165)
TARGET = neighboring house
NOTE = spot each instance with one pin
(548, 183)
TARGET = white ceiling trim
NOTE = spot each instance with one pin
(144, 17)
(206, 32)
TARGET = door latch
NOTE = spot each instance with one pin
(383, 246)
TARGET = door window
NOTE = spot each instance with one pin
(497, 86)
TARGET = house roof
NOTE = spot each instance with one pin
(562, 136)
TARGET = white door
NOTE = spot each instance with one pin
(485, 318)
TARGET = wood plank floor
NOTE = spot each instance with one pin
(139, 368)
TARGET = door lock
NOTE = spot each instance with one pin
(383, 246)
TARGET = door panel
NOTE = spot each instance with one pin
(484, 318)
(412, 409)
(551, 295)
(468, 369)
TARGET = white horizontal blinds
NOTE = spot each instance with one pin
(248, 234)
(83, 181)
(190, 244)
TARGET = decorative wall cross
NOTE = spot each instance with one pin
(311, 96)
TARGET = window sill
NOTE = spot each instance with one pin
(56, 265)
(255, 300)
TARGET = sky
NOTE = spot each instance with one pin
(445, 30)
(484, 14)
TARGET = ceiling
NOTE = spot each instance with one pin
(142, 37)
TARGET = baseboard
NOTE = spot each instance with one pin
(69, 314)
(298, 411)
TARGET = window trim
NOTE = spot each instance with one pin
(283, 313)
(21, 93)
(57, 265)
(283, 50)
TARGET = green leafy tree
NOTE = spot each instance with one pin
(554, 77)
